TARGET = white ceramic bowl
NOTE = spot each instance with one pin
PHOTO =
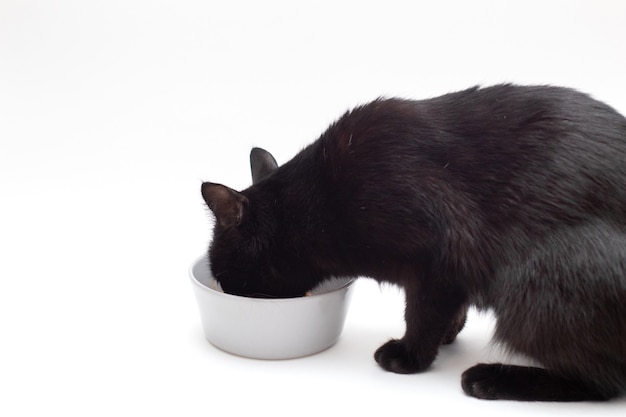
(264, 328)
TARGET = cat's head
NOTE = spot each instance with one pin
(248, 256)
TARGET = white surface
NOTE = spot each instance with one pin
(113, 112)
(263, 328)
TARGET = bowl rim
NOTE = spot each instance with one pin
(349, 282)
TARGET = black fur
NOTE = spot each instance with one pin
(505, 198)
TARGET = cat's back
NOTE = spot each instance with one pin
(481, 135)
(506, 113)
(500, 155)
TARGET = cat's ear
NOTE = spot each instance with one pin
(262, 164)
(227, 204)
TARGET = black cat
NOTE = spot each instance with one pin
(506, 198)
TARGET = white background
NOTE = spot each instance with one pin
(113, 112)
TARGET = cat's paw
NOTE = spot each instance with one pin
(520, 383)
(394, 356)
(480, 381)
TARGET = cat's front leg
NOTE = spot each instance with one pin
(432, 315)
(458, 323)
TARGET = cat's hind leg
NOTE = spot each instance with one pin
(564, 307)
(510, 382)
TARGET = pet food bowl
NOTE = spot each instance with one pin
(262, 328)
